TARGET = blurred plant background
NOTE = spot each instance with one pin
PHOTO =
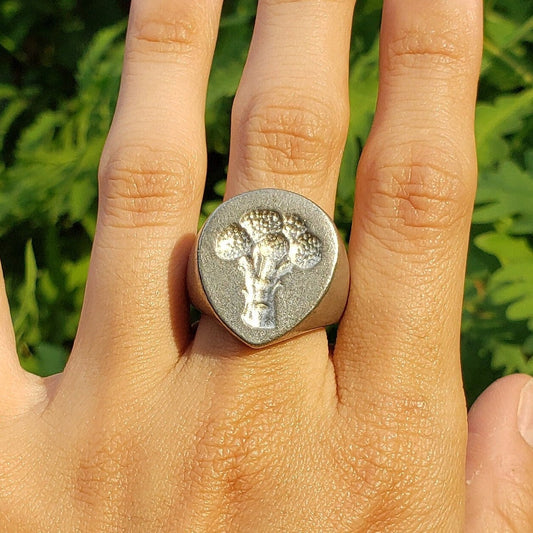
(60, 64)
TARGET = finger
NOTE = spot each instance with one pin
(289, 125)
(499, 468)
(14, 381)
(7, 335)
(291, 112)
(397, 352)
(151, 183)
(415, 188)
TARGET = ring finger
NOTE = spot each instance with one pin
(291, 111)
(290, 118)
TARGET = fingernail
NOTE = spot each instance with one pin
(525, 413)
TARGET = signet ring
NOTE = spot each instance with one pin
(268, 265)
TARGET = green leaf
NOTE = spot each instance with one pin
(51, 358)
(363, 86)
(96, 56)
(82, 195)
(228, 61)
(500, 28)
(210, 206)
(220, 188)
(507, 249)
(26, 315)
(363, 91)
(346, 186)
(512, 359)
(512, 284)
(16, 102)
(57, 155)
(506, 193)
(497, 120)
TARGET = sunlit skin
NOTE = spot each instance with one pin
(151, 428)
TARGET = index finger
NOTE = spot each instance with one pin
(151, 183)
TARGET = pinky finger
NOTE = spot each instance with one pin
(499, 469)
(13, 379)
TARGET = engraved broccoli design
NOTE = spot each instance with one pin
(267, 246)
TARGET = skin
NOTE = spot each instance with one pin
(151, 428)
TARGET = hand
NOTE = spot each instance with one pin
(151, 429)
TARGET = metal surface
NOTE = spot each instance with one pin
(269, 264)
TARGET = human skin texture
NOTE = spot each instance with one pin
(154, 428)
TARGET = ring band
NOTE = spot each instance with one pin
(269, 264)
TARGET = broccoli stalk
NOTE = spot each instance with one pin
(267, 247)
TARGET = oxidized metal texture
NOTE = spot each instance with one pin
(269, 264)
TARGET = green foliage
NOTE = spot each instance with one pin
(49, 194)
(505, 194)
(57, 95)
(498, 310)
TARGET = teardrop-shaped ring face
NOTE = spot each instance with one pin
(269, 264)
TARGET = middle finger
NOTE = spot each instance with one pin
(289, 125)
(291, 111)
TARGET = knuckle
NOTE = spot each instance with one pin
(231, 455)
(142, 187)
(391, 468)
(292, 135)
(228, 453)
(155, 30)
(414, 48)
(101, 469)
(416, 193)
(375, 479)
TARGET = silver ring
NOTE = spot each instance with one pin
(269, 264)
